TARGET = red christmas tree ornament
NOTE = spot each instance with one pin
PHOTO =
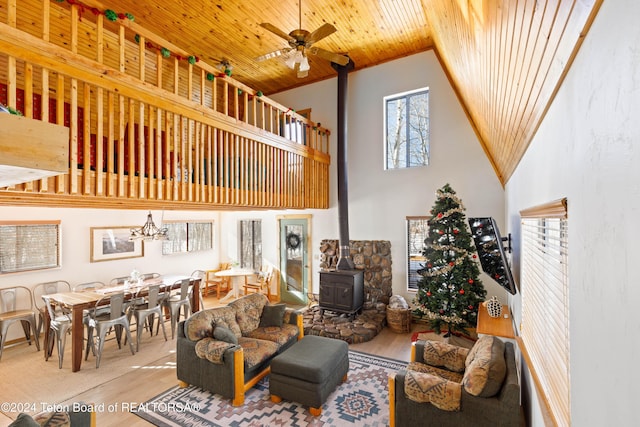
(440, 215)
(461, 291)
(429, 265)
(470, 307)
(440, 232)
(451, 264)
(429, 294)
(470, 281)
(456, 231)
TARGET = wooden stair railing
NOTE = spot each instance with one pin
(160, 132)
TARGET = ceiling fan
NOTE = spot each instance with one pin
(301, 44)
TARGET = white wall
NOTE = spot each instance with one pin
(75, 234)
(587, 150)
(380, 200)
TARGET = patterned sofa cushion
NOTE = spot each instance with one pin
(256, 351)
(433, 370)
(248, 311)
(201, 324)
(280, 335)
(212, 350)
(451, 357)
(426, 388)
(486, 367)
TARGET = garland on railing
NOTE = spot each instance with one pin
(166, 53)
(114, 16)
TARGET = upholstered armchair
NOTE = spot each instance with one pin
(447, 385)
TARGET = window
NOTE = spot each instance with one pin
(417, 231)
(406, 119)
(251, 244)
(29, 245)
(545, 305)
(187, 236)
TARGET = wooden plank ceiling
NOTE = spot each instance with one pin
(504, 58)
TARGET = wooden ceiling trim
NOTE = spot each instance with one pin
(508, 59)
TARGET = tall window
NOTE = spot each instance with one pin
(545, 304)
(27, 245)
(406, 118)
(251, 244)
(417, 230)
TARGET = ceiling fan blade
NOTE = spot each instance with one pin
(273, 54)
(330, 56)
(277, 31)
(320, 33)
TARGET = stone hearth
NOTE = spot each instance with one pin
(364, 327)
(371, 256)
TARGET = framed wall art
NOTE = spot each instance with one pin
(109, 243)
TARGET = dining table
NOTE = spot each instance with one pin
(79, 301)
(234, 274)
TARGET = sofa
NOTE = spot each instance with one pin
(227, 350)
(447, 385)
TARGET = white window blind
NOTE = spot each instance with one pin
(28, 246)
(545, 305)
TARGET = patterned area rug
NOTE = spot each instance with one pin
(363, 401)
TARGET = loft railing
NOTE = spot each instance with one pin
(149, 124)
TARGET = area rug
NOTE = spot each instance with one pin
(363, 400)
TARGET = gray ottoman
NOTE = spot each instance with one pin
(309, 371)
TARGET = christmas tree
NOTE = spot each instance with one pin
(449, 291)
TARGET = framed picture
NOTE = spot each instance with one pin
(108, 243)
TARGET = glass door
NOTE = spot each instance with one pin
(294, 266)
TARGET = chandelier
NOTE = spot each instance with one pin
(149, 231)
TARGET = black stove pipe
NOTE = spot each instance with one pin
(344, 262)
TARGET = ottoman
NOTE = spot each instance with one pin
(309, 371)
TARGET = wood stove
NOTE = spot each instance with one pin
(341, 291)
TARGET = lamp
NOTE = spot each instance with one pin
(298, 58)
(149, 231)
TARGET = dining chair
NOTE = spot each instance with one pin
(59, 326)
(217, 283)
(46, 288)
(176, 302)
(200, 275)
(262, 283)
(145, 313)
(16, 305)
(100, 323)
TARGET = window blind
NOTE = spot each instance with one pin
(545, 304)
(28, 246)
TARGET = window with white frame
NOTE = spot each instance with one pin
(29, 245)
(406, 122)
(545, 305)
(417, 231)
(251, 244)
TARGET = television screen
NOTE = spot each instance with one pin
(493, 259)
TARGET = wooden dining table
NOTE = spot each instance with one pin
(79, 301)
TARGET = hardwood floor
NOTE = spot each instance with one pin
(115, 397)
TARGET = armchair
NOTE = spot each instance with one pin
(446, 385)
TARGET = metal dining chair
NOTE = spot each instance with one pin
(16, 305)
(46, 288)
(145, 313)
(59, 326)
(176, 302)
(101, 323)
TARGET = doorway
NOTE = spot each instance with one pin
(294, 259)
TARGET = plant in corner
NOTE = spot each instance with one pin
(449, 291)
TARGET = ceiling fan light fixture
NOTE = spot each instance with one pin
(304, 64)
